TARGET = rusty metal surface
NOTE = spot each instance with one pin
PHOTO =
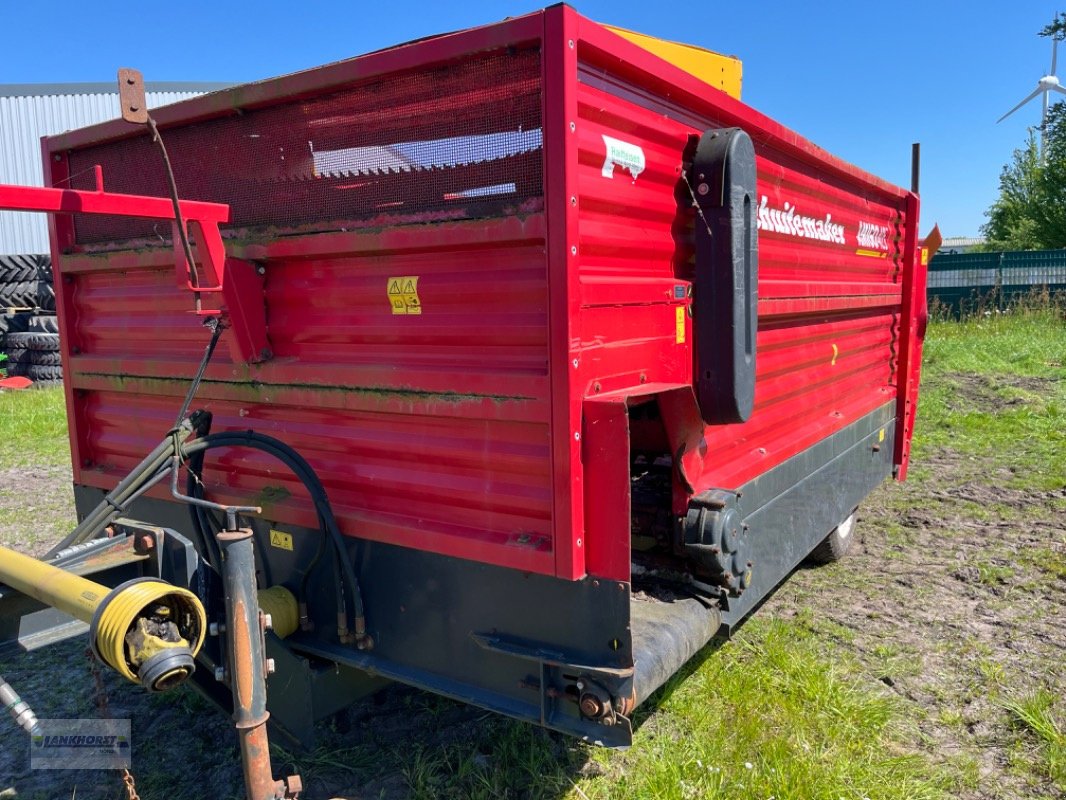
(131, 96)
(246, 667)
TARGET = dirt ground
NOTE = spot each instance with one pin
(954, 597)
(953, 610)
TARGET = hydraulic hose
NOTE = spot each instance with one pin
(204, 527)
(158, 463)
(304, 472)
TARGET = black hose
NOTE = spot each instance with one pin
(157, 463)
(201, 522)
(304, 472)
(205, 526)
(306, 576)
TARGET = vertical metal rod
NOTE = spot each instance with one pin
(916, 166)
(247, 667)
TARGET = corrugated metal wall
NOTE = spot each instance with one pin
(25, 117)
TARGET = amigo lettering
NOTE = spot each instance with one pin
(874, 237)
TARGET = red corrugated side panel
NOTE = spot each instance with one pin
(430, 428)
(831, 259)
(548, 272)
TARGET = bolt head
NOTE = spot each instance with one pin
(590, 706)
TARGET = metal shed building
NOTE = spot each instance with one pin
(30, 111)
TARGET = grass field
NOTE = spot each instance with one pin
(929, 664)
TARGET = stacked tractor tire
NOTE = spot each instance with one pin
(29, 335)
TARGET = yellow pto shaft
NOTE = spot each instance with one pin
(146, 629)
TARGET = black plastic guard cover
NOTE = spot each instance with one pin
(726, 285)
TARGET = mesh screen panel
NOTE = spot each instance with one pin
(448, 142)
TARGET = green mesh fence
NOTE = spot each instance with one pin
(965, 282)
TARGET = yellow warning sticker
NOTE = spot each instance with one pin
(281, 540)
(925, 256)
(881, 435)
(871, 253)
(403, 295)
(679, 326)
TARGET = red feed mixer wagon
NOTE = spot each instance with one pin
(543, 361)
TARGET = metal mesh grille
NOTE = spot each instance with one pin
(451, 142)
(988, 270)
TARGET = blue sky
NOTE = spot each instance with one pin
(863, 80)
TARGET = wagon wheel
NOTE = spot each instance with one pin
(837, 544)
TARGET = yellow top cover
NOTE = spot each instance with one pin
(722, 72)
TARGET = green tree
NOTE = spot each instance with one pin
(1049, 215)
(1012, 218)
(1057, 28)
(1030, 212)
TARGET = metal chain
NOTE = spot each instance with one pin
(131, 789)
(100, 698)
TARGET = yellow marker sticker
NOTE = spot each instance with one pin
(871, 253)
(280, 540)
(403, 295)
(881, 435)
(679, 326)
(836, 352)
(925, 256)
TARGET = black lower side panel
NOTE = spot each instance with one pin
(791, 509)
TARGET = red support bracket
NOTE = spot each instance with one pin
(235, 286)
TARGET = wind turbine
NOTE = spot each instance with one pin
(1045, 86)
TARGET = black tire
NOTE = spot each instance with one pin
(18, 355)
(41, 323)
(33, 341)
(22, 294)
(836, 544)
(15, 323)
(46, 296)
(45, 358)
(14, 269)
(44, 268)
(38, 373)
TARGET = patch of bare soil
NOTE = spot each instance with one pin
(951, 599)
(991, 393)
(36, 506)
